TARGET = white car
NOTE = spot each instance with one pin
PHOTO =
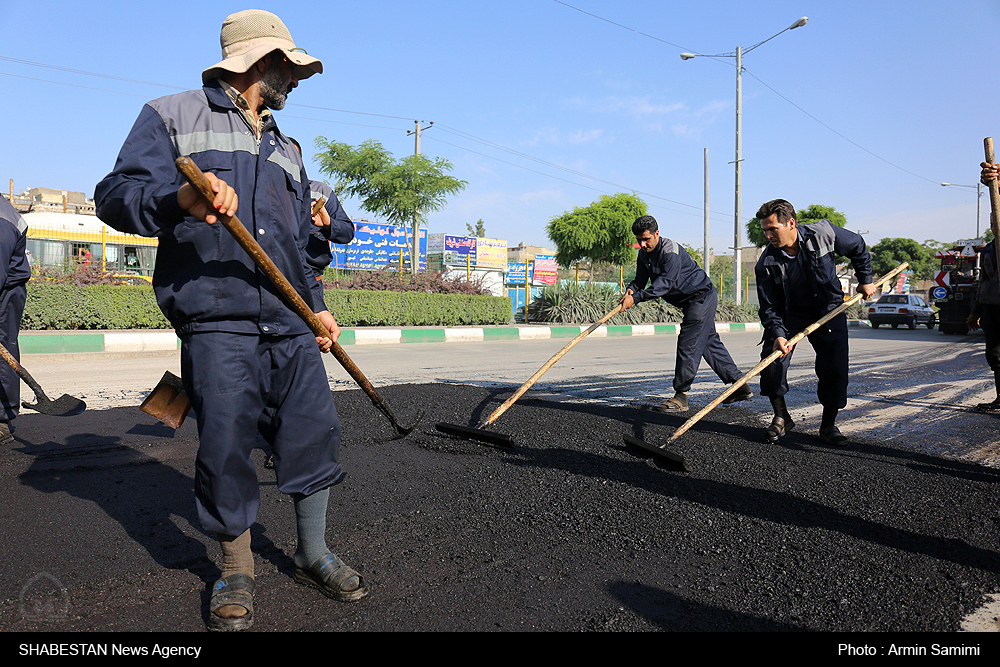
(896, 309)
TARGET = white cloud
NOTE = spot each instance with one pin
(585, 136)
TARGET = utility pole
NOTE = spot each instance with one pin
(705, 262)
(415, 248)
(737, 232)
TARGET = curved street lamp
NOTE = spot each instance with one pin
(737, 233)
(979, 199)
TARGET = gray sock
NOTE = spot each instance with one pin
(310, 519)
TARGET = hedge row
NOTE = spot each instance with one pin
(67, 307)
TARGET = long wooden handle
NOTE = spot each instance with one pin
(22, 373)
(548, 364)
(994, 189)
(197, 180)
(767, 361)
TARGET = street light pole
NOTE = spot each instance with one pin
(737, 231)
(979, 199)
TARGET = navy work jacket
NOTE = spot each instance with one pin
(673, 275)
(204, 281)
(821, 242)
(14, 268)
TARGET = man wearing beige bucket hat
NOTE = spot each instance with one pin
(250, 366)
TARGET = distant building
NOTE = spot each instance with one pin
(49, 199)
(522, 253)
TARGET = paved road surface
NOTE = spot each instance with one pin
(567, 530)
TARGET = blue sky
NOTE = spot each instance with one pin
(544, 105)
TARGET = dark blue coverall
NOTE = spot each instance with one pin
(249, 363)
(794, 293)
(14, 274)
(674, 277)
(986, 307)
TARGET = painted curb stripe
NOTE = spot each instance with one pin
(145, 341)
(422, 336)
(60, 343)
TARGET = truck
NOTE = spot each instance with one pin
(956, 284)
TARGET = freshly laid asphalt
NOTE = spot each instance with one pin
(568, 529)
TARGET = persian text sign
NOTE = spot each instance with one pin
(545, 270)
(491, 253)
(515, 273)
(376, 245)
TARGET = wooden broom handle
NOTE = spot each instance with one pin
(548, 364)
(197, 180)
(994, 189)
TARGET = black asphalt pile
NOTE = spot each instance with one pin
(568, 529)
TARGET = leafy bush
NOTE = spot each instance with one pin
(107, 306)
(589, 303)
(358, 308)
(100, 306)
(392, 281)
(80, 274)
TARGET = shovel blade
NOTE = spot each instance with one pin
(64, 406)
(403, 431)
(168, 402)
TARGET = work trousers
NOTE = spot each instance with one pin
(989, 320)
(11, 309)
(832, 359)
(244, 385)
(699, 340)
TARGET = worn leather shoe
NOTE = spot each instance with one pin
(831, 435)
(741, 394)
(780, 425)
(679, 403)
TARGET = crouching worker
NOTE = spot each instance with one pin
(797, 284)
(674, 277)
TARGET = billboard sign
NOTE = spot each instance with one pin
(376, 245)
(545, 270)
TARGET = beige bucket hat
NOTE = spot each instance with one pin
(250, 35)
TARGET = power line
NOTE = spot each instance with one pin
(163, 85)
(601, 18)
(854, 143)
(835, 131)
(589, 187)
(74, 85)
(445, 128)
(554, 166)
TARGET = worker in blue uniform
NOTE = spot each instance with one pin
(333, 225)
(985, 311)
(674, 277)
(249, 364)
(14, 275)
(797, 284)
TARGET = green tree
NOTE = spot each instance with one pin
(721, 272)
(889, 253)
(695, 255)
(804, 216)
(601, 232)
(403, 191)
(479, 231)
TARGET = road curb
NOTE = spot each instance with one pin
(66, 342)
